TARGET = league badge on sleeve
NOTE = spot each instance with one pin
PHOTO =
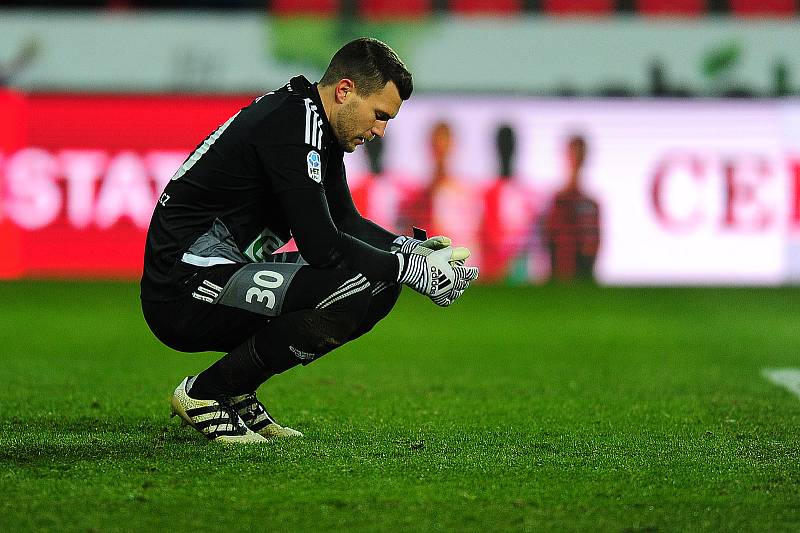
(314, 166)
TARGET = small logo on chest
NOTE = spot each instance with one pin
(314, 166)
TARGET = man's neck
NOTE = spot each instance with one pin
(327, 95)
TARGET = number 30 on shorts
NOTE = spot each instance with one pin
(265, 280)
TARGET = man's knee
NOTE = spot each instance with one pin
(350, 307)
(324, 329)
(383, 298)
(338, 316)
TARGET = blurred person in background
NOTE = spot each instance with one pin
(273, 171)
(507, 213)
(375, 195)
(447, 206)
(571, 224)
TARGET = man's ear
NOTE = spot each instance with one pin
(343, 89)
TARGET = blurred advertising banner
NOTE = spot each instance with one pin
(77, 194)
(626, 191)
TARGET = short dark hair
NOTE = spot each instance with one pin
(371, 64)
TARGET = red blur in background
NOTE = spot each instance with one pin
(82, 174)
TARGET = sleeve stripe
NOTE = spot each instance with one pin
(313, 125)
(308, 122)
(313, 128)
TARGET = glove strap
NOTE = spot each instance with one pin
(420, 234)
(398, 243)
(405, 244)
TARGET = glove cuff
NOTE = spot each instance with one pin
(412, 272)
(401, 266)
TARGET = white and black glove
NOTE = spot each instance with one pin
(406, 244)
(438, 274)
(464, 274)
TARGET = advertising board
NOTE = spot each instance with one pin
(687, 192)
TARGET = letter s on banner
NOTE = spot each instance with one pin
(32, 197)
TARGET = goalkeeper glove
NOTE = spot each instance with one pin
(431, 273)
(406, 244)
(464, 276)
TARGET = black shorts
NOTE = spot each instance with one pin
(224, 305)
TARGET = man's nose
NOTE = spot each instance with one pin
(379, 129)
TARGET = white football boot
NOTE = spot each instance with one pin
(256, 417)
(216, 420)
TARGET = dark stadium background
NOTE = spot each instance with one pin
(656, 391)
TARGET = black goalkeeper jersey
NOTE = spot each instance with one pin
(272, 171)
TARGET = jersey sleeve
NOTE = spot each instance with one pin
(348, 219)
(288, 145)
(324, 245)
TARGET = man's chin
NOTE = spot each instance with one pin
(348, 147)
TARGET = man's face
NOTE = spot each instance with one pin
(441, 141)
(576, 153)
(361, 118)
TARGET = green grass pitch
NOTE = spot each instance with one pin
(517, 409)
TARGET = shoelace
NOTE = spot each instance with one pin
(254, 408)
(228, 415)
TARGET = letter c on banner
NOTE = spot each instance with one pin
(666, 169)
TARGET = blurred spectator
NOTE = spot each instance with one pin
(417, 206)
(507, 213)
(571, 226)
(446, 206)
(375, 195)
(24, 57)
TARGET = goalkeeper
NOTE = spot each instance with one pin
(274, 171)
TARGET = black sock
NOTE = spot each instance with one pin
(284, 343)
(239, 372)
